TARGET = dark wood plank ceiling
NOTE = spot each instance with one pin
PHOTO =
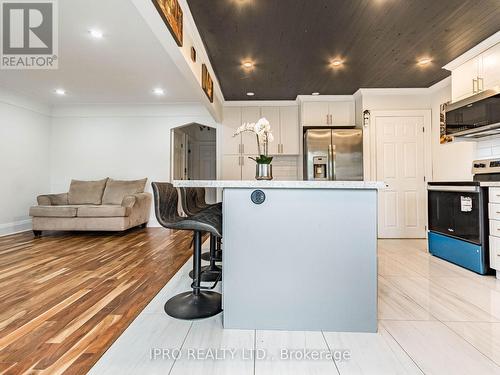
(292, 42)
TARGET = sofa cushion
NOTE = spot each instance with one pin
(86, 192)
(116, 190)
(105, 210)
(54, 211)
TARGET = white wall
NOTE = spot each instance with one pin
(24, 159)
(93, 142)
(450, 161)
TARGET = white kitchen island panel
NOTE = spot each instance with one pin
(302, 260)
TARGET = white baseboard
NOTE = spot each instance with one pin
(15, 227)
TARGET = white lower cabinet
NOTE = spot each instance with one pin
(494, 226)
(247, 169)
(231, 167)
(237, 167)
(495, 252)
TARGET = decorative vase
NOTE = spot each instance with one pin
(263, 171)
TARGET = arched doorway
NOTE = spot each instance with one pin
(194, 154)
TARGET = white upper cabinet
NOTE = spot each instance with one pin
(480, 73)
(289, 135)
(491, 67)
(465, 79)
(272, 114)
(232, 120)
(315, 114)
(342, 113)
(248, 139)
(333, 113)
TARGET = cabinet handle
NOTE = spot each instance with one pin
(480, 84)
(474, 86)
(327, 120)
(239, 148)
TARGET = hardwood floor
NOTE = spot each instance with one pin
(65, 298)
(434, 318)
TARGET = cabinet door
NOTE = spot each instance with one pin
(232, 120)
(342, 113)
(249, 140)
(462, 79)
(247, 169)
(491, 67)
(289, 130)
(231, 168)
(315, 114)
(272, 114)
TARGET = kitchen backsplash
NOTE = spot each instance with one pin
(488, 149)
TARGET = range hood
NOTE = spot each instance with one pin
(476, 117)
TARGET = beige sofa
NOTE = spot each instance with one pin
(104, 205)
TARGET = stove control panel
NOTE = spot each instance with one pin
(486, 166)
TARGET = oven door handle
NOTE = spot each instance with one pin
(460, 189)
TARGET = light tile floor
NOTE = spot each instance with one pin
(434, 318)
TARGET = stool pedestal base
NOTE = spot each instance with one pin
(194, 306)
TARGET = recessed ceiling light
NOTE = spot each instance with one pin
(248, 64)
(424, 61)
(250, 93)
(158, 91)
(96, 34)
(336, 63)
(315, 93)
(60, 92)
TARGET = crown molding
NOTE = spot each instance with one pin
(260, 103)
(474, 51)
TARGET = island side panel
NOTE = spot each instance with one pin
(305, 259)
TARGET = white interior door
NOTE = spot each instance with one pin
(401, 165)
(207, 163)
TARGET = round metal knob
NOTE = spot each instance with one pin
(258, 197)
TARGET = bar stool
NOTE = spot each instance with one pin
(201, 202)
(190, 205)
(201, 302)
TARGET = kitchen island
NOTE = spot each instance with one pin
(299, 255)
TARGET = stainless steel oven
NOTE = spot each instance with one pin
(458, 218)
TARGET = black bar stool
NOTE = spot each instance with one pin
(200, 302)
(201, 203)
(191, 205)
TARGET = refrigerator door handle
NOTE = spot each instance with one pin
(334, 163)
(330, 163)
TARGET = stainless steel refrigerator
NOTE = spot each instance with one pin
(333, 154)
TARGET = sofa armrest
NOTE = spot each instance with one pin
(132, 200)
(53, 199)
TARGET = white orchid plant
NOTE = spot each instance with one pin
(262, 130)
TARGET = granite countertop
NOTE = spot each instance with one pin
(274, 184)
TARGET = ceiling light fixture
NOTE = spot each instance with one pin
(250, 93)
(248, 64)
(158, 91)
(336, 63)
(60, 92)
(424, 61)
(315, 93)
(96, 34)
